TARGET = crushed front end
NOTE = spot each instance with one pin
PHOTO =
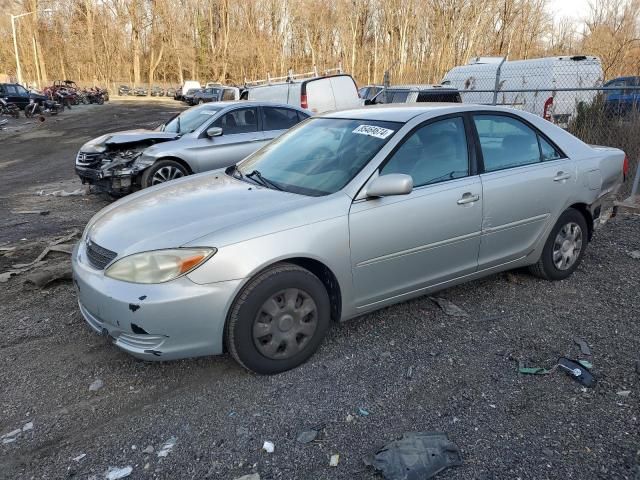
(112, 171)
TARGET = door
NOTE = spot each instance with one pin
(526, 184)
(403, 243)
(277, 120)
(240, 137)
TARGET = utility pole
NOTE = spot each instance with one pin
(15, 47)
(15, 40)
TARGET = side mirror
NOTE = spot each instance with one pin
(390, 184)
(368, 102)
(214, 132)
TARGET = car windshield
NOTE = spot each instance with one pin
(319, 156)
(189, 120)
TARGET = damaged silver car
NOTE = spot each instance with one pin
(206, 137)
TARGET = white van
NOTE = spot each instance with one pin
(188, 85)
(540, 76)
(320, 94)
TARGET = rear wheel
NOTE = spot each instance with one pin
(278, 320)
(162, 171)
(564, 248)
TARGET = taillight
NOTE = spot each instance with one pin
(546, 113)
(625, 167)
(303, 101)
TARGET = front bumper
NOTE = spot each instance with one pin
(168, 321)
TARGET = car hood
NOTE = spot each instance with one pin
(127, 136)
(181, 211)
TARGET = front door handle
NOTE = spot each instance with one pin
(468, 197)
(561, 176)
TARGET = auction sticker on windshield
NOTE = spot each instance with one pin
(373, 131)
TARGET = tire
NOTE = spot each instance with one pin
(29, 111)
(100, 100)
(168, 169)
(304, 334)
(572, 227)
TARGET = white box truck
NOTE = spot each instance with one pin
(541, 81)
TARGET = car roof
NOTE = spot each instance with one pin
(404, 112)
(434, 87)
(249, 103)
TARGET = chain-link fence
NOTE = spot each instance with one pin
(568, 91)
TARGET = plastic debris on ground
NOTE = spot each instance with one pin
(30, 212)
(252, 476)
(577, 371)
(449, 307)
(363, 412)
(96, 385)
(415, 456)
(307, 436)
(148, 450)
(166, 448)
(533, 370)
(115, 473)
(624, 393)
(333, 462)
(635, 254)
(584, 347)
(268, 447)
(79, 457)
(63, 193)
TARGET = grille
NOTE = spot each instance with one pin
(88, 159)
(98, 256)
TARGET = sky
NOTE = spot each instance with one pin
(575, 9)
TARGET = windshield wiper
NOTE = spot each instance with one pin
(234, 169)
(263, 181)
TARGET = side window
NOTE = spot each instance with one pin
(227, 94)
(302, 116)
(243, 120)
(11, 89)
(22, 91)
(506, 142)
(434, 153)
(278, 118)
(547, 151)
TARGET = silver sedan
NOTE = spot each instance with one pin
(202, 138)
(345, 213)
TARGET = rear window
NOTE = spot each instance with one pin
(438, 96)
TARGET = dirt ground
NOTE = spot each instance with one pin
(406, 368)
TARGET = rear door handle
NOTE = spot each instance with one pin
(561, 176)
(468, 198)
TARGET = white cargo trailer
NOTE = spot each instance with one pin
(543, 86)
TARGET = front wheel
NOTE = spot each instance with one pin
(278, 320)
(162, 171)
(564, 248)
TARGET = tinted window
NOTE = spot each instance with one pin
(228, 94)
(433, 153)
(438, 96)
(278, 118)
(506, 142)
(11, 89)
(243, 120)
(21, 90)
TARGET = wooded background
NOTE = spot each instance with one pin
(169, 41)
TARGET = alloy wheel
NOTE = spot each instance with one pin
(165, 174)
(567, 246)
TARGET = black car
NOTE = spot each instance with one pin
(189, 96)
(14, 93)
(157, 91)
(139, 92)
(124, 90)
(206, 95)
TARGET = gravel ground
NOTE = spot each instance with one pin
(411, 367)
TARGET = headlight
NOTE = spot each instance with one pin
(158, 266)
